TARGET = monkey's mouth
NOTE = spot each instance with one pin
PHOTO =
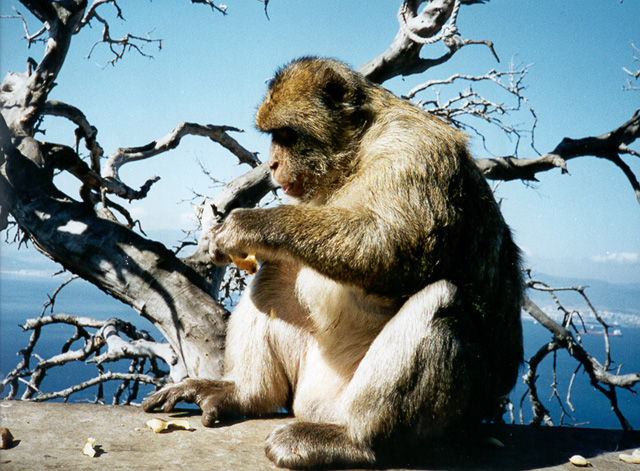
(295, 189)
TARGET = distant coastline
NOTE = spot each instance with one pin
(22, 296)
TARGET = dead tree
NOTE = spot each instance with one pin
(96, 238)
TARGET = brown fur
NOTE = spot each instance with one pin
(388, 298)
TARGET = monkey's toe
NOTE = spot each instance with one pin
(167, 397)
(305, 445)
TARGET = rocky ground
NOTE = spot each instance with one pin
(52, 435)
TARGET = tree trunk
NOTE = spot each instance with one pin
(137, 271)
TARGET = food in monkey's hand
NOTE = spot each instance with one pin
(248, 264)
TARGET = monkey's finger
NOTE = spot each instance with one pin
(171, 401)
(210, 413)
(165, 398)
(210, 418)
(218, 257)
(151, 402)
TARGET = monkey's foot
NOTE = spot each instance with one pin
(210, 395)
(306, 445)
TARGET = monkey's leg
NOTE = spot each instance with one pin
(263, 349)
(258, 370)
(419, 369)
(413, 371)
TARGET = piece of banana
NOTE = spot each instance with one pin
(6, 438)
(248, 264)
(579, 460)
(159, 425)
(88, 448)
(633, 458)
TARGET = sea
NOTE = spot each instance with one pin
(24, 296)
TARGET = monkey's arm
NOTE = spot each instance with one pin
(381, 254)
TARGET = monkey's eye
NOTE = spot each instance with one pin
(285, 136)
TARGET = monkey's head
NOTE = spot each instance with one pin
(315, 111)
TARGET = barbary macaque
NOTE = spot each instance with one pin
(388, 295)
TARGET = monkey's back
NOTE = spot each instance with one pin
(428, 195)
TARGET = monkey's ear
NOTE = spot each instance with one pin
(336, 88)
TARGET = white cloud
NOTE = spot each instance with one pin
(30, 273)
(622, 257)
(138, 212)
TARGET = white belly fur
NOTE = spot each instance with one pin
(343, 323)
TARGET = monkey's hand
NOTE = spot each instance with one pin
(231, 238)
(212, 396)
(216, 251)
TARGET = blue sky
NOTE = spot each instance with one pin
(212, 70)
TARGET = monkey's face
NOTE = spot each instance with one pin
(310, 111)
(300, 164)
(282, 163)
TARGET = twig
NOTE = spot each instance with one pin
(142, 346)
(103, 378)
(221, 8)
(635, 75)
(52, 298)
(31, 38)
(605, 381)
(119, 47)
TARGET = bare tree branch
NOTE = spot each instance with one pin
(221, 8)
(119, 47)
(607, 146)
(24, 95)
(468, 103)
(102, 378)
(403, 55)
(142, 346)
(566, 340)
(90, 13)
(540, 413)
(171, 141)
(84, 131)
(601, 377)
(266, 5)
(31, 38)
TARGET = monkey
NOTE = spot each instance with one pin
(388, 295)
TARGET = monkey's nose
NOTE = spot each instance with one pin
(273, 166)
